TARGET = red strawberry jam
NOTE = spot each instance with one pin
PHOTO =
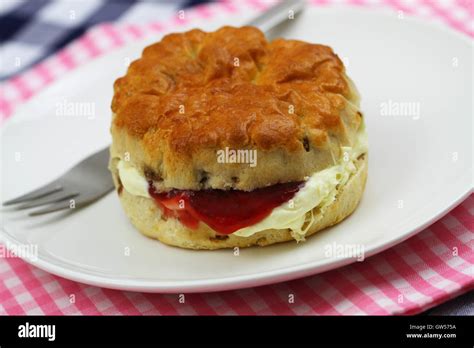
(223, 211)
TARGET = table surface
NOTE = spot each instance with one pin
(38, 34)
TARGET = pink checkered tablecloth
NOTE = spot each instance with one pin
(426, 270)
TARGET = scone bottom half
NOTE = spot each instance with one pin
(224, 139)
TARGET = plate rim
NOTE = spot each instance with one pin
(220, 284)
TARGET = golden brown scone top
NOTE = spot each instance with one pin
(232, 88)
(195, 93)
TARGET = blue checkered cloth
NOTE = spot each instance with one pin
(461, 305)
(31, 30)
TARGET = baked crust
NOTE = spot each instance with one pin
(145, 215)
(195, 93)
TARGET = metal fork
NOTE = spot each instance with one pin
(89, 180)
(84, 183)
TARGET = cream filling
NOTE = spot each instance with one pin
(132, 180)
(319, 191)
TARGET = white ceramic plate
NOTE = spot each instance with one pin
(420, 161)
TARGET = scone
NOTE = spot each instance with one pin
(224, 140)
